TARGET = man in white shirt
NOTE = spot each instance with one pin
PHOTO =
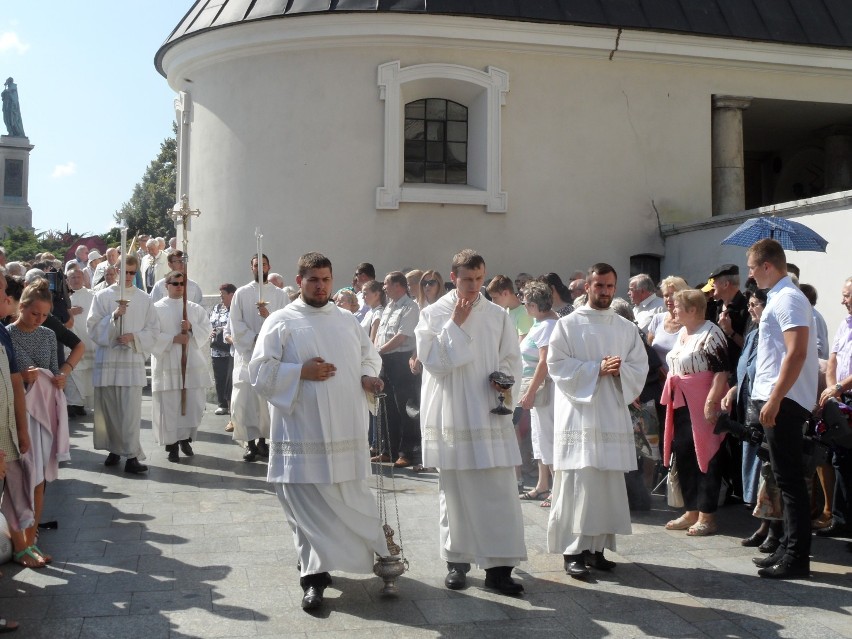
(643, 293)
(785, 387)
(461, 340)
(176, 263)
(313, 363)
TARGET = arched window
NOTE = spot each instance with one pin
(435, 142)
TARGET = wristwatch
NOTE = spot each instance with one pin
(838, 388)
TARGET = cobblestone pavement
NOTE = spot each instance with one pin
(201, 549)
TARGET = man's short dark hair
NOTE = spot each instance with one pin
(365, 268)
(312, 260)
(398, 277)
(601, 268)
(810, 292)
(254, 257)
(468, 258)
(178, 255)
(228, 288)
(498, 284)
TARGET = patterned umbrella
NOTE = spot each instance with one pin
(793, 236)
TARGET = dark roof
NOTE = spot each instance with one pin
(824, 23)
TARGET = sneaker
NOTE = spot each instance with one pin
(221, 411)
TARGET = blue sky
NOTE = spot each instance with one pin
(91, 101)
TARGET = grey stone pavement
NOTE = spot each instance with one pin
(201, 549)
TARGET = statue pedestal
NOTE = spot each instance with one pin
(14, 183)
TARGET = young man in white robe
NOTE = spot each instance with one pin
(176, 263)
(598, 363)
(124, 330)
(250, 306)
(461, 339)
(313, 363)
(172, 426)
(79, 390)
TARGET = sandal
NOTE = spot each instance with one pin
(545, 503)
(44, 556)
(534, 495)
(20, 558)
(702, 529)
(681, 523)
(7, 625)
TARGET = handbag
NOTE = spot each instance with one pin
(543, 395)
(674, 495)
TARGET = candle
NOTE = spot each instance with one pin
(259, 265)
(123, 275)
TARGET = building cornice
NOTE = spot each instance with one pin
(186, 55)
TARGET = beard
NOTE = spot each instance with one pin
(600, 303)
(316, 302)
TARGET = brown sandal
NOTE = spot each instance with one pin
(681, 523)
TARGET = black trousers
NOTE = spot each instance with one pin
(223, 372)
(401, 387)
(700, 490)
(841, 507)
(785, 454)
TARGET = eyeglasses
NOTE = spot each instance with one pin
(429, 283)
(175, 283)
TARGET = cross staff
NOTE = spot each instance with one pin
(182, 216)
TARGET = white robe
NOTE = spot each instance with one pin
(169, 426)
(319, 456)
(79, 390)
(249, 412)
(119, 372)
(593, 438)
(476, 451)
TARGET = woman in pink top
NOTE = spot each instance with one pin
(695, 385)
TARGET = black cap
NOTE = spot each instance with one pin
(725, 269)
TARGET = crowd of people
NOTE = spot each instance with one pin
(731, 372)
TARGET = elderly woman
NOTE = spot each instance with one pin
(663, 329)
(536, 394)
(695, 386)
(347, 300)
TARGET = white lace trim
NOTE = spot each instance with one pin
(590, 435)
(453, 436)
(289, 449)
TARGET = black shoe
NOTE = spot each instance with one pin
(769, 546)
(172, 450)
(132, 465)
(262, 448)
(80, 411)
(456, 578)
(500, 579)
(835, 530)
(185, 448)
(112, 459)
(598, 561)
(787, 569)
(770, 560)
(251, 452)
(756, 540)
(314, 587)
(575, 566)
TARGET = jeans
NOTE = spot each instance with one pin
(223, 372)
(785, 454)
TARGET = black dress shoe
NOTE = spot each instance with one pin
(769, 546)
(251, 453)
(770, 560)
(835, 530)
(456, 578)
(132, 465)
(262, 448)
(575, 566)
(314, 587)
(787, 569)
(185, 448)
(754, 541)
(172, 450)
(598, 561)
(500, 579)
(112, 459)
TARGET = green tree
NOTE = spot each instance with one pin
(147, 210)
(22, 244)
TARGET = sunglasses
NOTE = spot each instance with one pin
(175, 283)
(429, 283)
(130, 272)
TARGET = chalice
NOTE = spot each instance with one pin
(504, 382)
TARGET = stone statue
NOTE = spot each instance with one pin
(12, 110)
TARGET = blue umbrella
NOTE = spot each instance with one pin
(792, 236)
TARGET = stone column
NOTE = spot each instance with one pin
(727, 154)
(14, 183)
(838, 157)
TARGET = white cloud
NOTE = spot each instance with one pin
(64, 170)
(9, 41)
